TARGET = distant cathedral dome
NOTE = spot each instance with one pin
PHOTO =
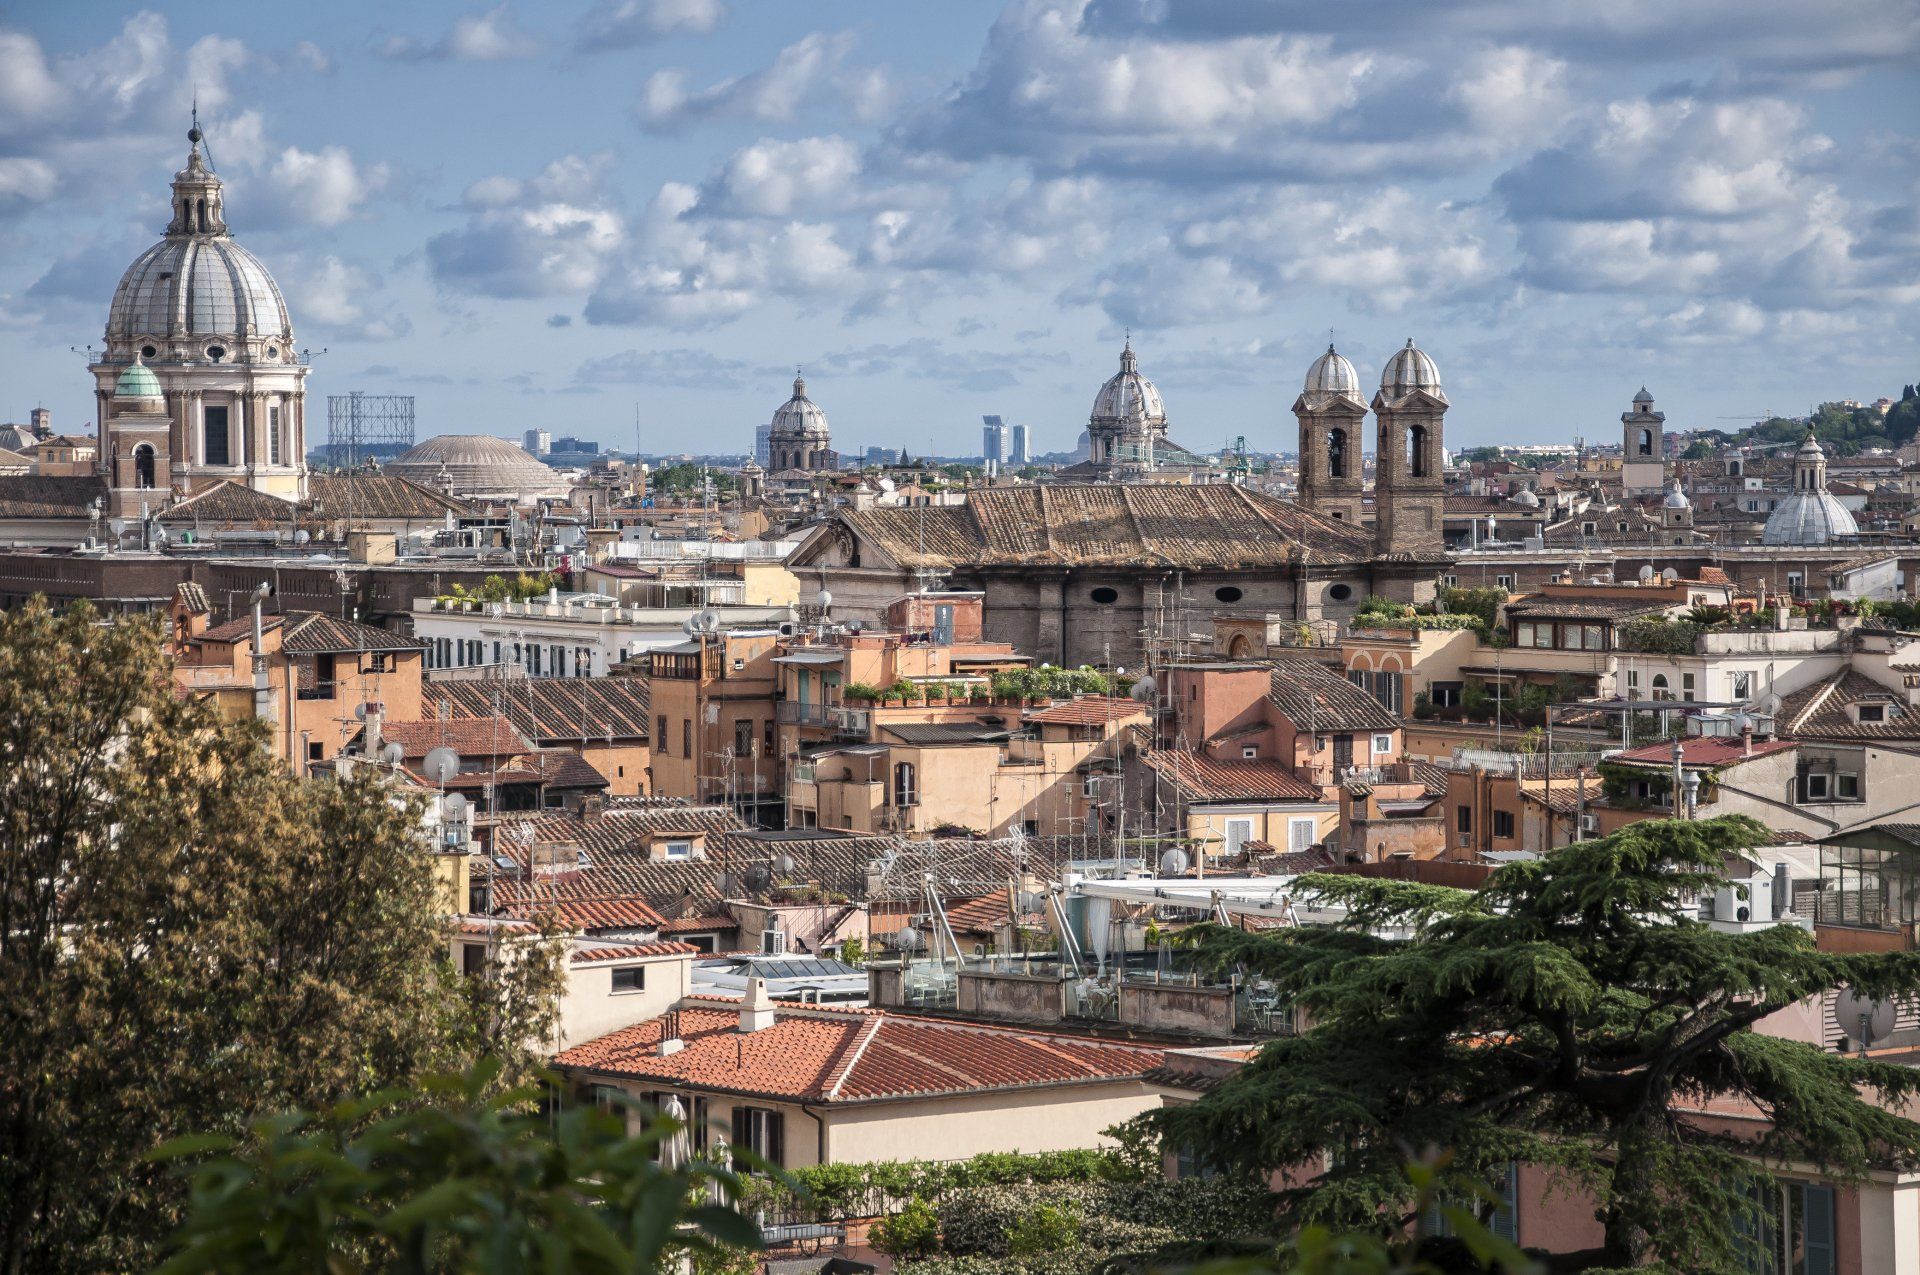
(799, 417)
(197, 294)
(477, 465)
(1129, 398)
(1675, 498)
(1332, 374)
(1408, 370)
(1811, 515)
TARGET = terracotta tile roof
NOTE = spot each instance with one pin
(1315, 698)
(231, 504)
(982, 915)
(605, 914)
(40, 496)
(1200, 778)
(1702, 750)
(966, 866)
(833, 1056)
(629, 952)
(551, 710)
(471, 737)
(486, 926)
(377, 496)
(1163, 525)
(239, 630)
(1267, 861)
(1824, 710)
(312, 633)
(693, 924)
(1087, 710)
(565, 768)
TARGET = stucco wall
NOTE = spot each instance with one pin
(1054, 1118)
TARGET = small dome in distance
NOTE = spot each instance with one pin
(1526, 499)
(1675, 498)
(1643, 398)
(1332, 374)
(1408, 370)
(137, 381)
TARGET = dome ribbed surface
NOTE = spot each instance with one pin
(475, 464)
(200, 287)
(1408, 370)
(1332, 374)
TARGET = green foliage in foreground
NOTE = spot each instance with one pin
(462, 1182)
(1564, 1015)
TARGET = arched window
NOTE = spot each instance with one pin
(1646, 442)
(143, 466)
(1417, 452)
(1337, 453)
(1661, 690)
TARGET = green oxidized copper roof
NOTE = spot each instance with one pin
(138, 381)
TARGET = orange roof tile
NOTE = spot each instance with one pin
(838, 1055)
(1200, 778)
(631, 951)
(1088, 710)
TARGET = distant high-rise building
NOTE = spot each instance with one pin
(762, 444)
(1020, 450)
(993, 440)
(574, 447)
(537, 441)
(881, 456)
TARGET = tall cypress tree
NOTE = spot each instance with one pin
(1566, 1014)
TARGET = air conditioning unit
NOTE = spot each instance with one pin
(773, 942)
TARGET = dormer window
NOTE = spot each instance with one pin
(1868, 714)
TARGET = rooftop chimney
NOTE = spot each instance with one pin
(756, 1007)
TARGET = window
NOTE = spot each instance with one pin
(743, 739)
(1299, 834)
(681, 849)
(1446, 694)
(473, 959)
(1590, 528)
(1249, 753)
(1105, 596)
(660, 733)
(1661, 690)
(906, 790)
(1337, 453)
(1382, 744)
(630, 978)
(143, 467)
(1503, 581)
(1227, 593)
(1686, 686)
(1030, 826)
(1463, 820)
(1340, 592)
(316, 752)
(1741, 685)
(1814, 786)
(1873, 713)
(1846, 787)
(762, 1132)
(686, 737)
(1789, 1232)
(214, 448)
(1633, 679)
(1451, 581)
(766, 739)
(1503, 823)
(1239, 832)
(273, 434)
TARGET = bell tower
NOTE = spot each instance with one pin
(1409, 481)
(1643, 468)
(1332, 415)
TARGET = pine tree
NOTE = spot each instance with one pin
(190, 937)
(1563, 1015)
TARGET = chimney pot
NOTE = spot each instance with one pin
(756, 1007)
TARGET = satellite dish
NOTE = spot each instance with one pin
(302, 536)
(909, 938)
(1029, 901)
(1143, 689)
(453, 805)
(1173, 862)
(1861, 1018)
(824, 598)
(710, 621)
(1769, 705)
(1670, 575)
(392, 754)
(440, 765)
(1646, 572)
(784, 865)
(692, 626)
(755, 878)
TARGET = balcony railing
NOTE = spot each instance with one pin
(319, 690)
(847, 721)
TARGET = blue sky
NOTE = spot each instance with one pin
(553, 214)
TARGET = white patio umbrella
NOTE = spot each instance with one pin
(678, 1148)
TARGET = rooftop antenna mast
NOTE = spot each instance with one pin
(197, 137)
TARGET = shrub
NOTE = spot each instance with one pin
(861, 692)
(912, 1232)
(1046, 1228)
(1658, 637)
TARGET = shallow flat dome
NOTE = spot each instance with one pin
(475, 464)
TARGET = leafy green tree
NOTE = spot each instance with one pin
(189, 936)
(449, 1179)
(1561, 1015)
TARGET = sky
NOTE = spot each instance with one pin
(603, 216)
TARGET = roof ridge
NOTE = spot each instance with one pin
(840, 1074)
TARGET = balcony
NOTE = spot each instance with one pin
(319, 690)
(853, 722)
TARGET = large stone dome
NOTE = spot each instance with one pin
(197, 295)
(800, 418)
(1129, 398)
(477, 465)
(1811, 515)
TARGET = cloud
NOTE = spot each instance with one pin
(622, 24)
(490, 35)
(811, 71)
(550, 235)
(559, 320)
(317, 188)
(335, 301)
(773, 178)
(680, 367)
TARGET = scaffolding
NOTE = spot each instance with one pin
(359, 425)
